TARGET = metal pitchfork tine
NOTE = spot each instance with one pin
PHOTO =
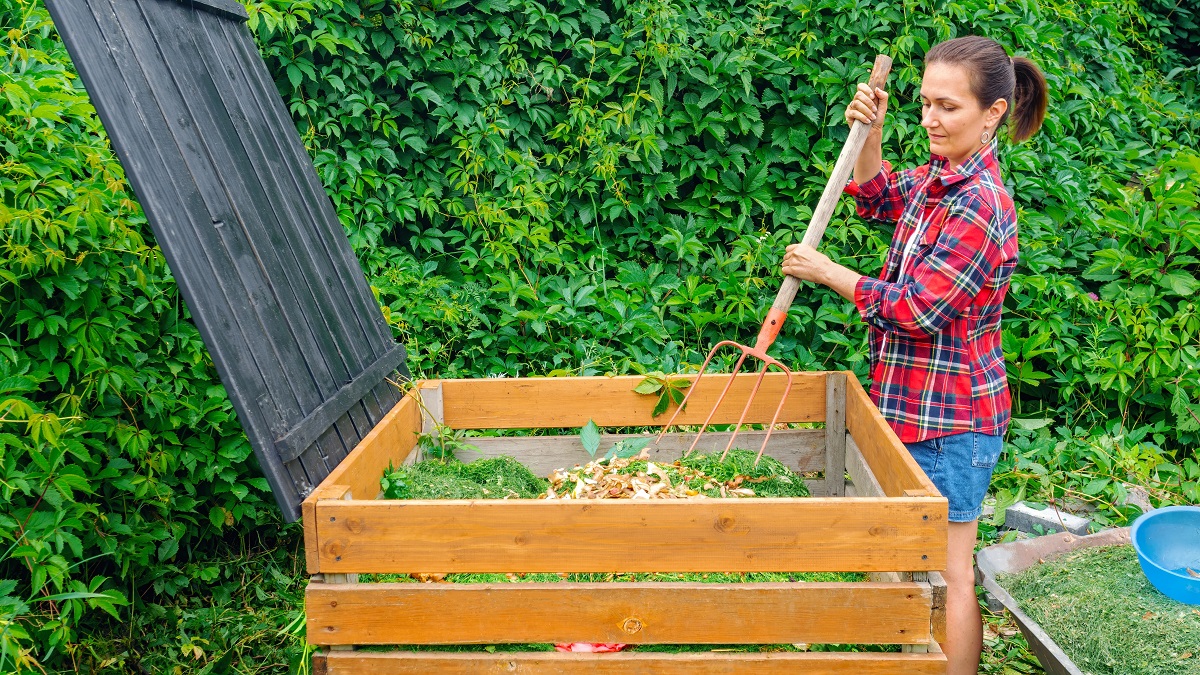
(787, 291)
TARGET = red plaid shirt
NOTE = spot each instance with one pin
(936, 364)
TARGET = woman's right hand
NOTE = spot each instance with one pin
(867, 107)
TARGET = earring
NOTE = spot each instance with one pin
(987, 136)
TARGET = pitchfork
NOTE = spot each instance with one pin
(787, 292)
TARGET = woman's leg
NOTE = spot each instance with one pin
(964, 624)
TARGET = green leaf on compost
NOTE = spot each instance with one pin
(589, 435)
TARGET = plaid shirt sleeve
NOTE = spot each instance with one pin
(943, 281)
(883, 197)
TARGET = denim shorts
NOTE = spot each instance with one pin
(960, 465)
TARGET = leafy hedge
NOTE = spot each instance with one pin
(590, 189)
(119, 453)
(578, 188)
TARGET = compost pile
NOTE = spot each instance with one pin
(692, 476)
(609, 478)
(1098, 606)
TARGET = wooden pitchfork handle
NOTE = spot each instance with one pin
(820, 218)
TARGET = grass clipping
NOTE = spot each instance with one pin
(494, 478)
(609, 478)
(1102, 611)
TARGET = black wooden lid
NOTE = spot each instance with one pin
(245, 225)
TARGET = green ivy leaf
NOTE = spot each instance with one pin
(216, 516)
(589, 435)
(649, 385)
(1180, 282)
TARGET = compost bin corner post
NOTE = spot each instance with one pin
(835, 434)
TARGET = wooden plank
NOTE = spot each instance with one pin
(549, 663)
(308, 509)
(688, 535)
(227, 8)
(799, 449)
(390, 441)
(635, 613)
(893, 466)
(548, 402)
(863, 483)
(835, 434)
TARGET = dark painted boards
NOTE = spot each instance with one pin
(245, 225)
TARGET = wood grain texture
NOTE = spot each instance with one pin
(634, 613)
(862, 481)
(693, 535)
(308, 510)
(835, 434)
(547, 402)
(800, 450)
(709, 663)
(893, 466)
(390, 441)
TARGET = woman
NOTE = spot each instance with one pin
(934, 314)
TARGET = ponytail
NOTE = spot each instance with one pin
(1031, 94)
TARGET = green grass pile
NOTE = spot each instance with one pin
(1103, 612)
(494, 478)
(770, 478)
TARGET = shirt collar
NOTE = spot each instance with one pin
(984, 158)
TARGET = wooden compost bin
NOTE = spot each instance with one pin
(887, 519)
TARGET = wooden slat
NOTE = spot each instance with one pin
(635, 613)
(863, 483)
(835, 434)
(893, 466)
(391, 440)
(692, 535)
(800, 450)
(707, 663)
(547, 402)
(228, 8)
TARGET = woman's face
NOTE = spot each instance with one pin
(952, 115)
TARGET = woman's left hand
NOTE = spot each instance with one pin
(806, 262)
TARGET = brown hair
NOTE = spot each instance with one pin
(994, 76)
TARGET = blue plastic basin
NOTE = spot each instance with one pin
(1167, 542)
